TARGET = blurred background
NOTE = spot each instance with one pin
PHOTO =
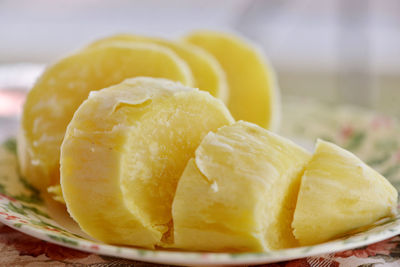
(337, 51)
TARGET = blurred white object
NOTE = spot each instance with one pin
(15, 81)
(19, 76)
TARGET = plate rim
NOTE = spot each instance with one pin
(209, 258)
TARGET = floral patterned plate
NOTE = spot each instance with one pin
(375, 138)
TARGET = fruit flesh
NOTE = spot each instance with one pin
(339, 193)
(253, 92)
(208, 74)
(238, 192)
(54, 98)
(124, 152)
(55, 192)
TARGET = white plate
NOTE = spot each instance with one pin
(376, 139)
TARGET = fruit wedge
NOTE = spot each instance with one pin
(55, 192)
(207, 72)
(339, 193)
(253, 92)
(62, 88)
(124, 151)
(239, 191)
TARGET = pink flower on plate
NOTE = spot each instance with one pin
(380, 248)
(94, 247)
(204, 255)
(8, 216)
(51, 229)
(12, 217)
(7, 197)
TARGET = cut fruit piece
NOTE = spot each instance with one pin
(338, 194)
(62, 88)
(124, 151)
(253, 91)
(56, 193)
(239, 192)
(207, 72)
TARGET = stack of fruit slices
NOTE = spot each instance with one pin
(53, 100)
(152, 162)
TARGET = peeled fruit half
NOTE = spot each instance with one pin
(253, 92)
(60, 90)
(124, 151)
(339, 193)
(208, 74)
(239, 191)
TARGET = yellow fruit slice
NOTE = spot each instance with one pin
(62, 88)
(253, 92)
(339, 193)
(55, 192)
(239, 192)
(207, 72)
(124, 151)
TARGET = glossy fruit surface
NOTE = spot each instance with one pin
(253, 92)
(124, 151)
(60, 90)
(339, 193)
(239, 191)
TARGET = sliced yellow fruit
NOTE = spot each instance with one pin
(239, 191)
(55, 192)
(62, 88)
(253, 92)
(124, 151)
(339, 193)
(207, 72)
